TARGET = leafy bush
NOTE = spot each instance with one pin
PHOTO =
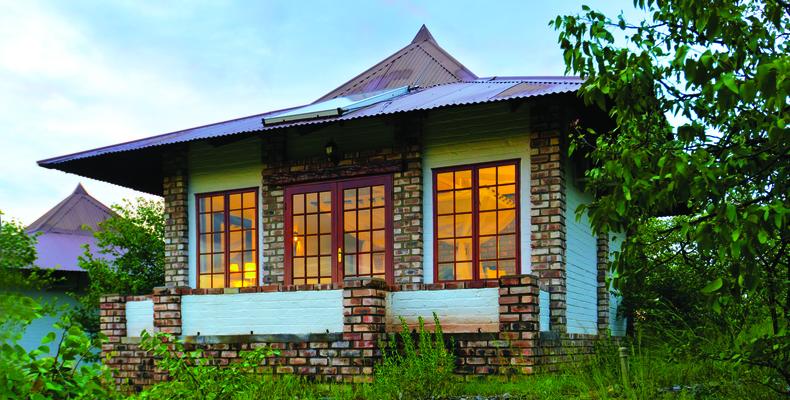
(415, 370)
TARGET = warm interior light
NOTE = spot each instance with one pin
(234, 267)
(250, 266)
(330, 149)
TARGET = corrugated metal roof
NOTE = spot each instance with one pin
(477, 91)
(61, 237)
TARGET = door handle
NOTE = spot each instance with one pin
(339, 255)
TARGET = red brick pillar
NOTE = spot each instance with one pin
(603, 286)
(364, 325)
(519, 318)
(167, 310)
(112, 323)
(548, 221)
(407, 217)
(174, 190)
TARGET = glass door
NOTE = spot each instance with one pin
(339, 229)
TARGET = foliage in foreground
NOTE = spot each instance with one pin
(130, 259)
(720, 70)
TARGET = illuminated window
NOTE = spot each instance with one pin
(476, 221)
(227, 227)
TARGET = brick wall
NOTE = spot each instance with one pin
(404, 166)
(174, 190)
(548, 221)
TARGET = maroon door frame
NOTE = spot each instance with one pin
(337, 187)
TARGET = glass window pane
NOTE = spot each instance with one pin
(463, 271)
(444, 203)
(205, 281)
(218, 281)
(378, 264)
(217, 222)
(363, 197)
(326, 201)
(349, 199)
(298, 265)
(250, 279)
(312, 245)
(463, 179)
(350, 221)
(487, 176)
(488, 270)
(363, 240)
(463, 201)
(249, 219)
(507, 246)
(507, 267)
(350, 243)
(250, 242)
(463, 249)
(205, 223)
(205, 243)
(204, 205)
(249, 200)
(325, 266)
(444, 181)
(312, 266)
(217, 203)
(445, 226)
(298, 225)
(326, 245)
(507, 196)
(311, 202)
(312, 224)
(250, 263)
(378, 196)
(219, 242)
(446, 272)
(363, 220)
(235, 280)
(378, 241)
(234, 219)
(350, 265)
(205, 264)
(235, 201)
(463, 225)
(487, 198)
(487, 223)
(235, 241)
(446, 250)
(218, 263)
(298, 203)
(325, 223)
(488, 247)
(507, 221)
(378, 218)
(235, 262)
(364, 264)
(298, 246)
(506, 174)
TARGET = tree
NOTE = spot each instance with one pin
(130, 259)
(719, 71)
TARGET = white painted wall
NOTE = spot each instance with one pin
(233, 166)
(582, 259)
(139, 317)
(545, 312)
(300, 312)
(459, 310)
(617, 325)
(443, 148)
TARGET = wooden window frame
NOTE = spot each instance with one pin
(337, 187)
(226, 232)
(475, 168)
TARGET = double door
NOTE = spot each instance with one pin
(340, 229)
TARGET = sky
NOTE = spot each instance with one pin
(78, 74)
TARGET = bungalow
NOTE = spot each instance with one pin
(415, 187)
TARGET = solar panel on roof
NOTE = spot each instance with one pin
(334, 107)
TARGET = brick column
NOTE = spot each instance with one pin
(174, 190)
(112, 321)
(364, 325)
(548, 221)
(519, 318)
(603, 287)
(407, 218)
(167, 310)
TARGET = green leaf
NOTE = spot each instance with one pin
(731, 212)
(713, 286)
(627, 193)
(736, 233)
(48, 338)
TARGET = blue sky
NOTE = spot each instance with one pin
(79, 74)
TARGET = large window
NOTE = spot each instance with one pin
(339, 229)
(476, 221)
(227, 227)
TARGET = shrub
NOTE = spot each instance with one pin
(409, 370)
